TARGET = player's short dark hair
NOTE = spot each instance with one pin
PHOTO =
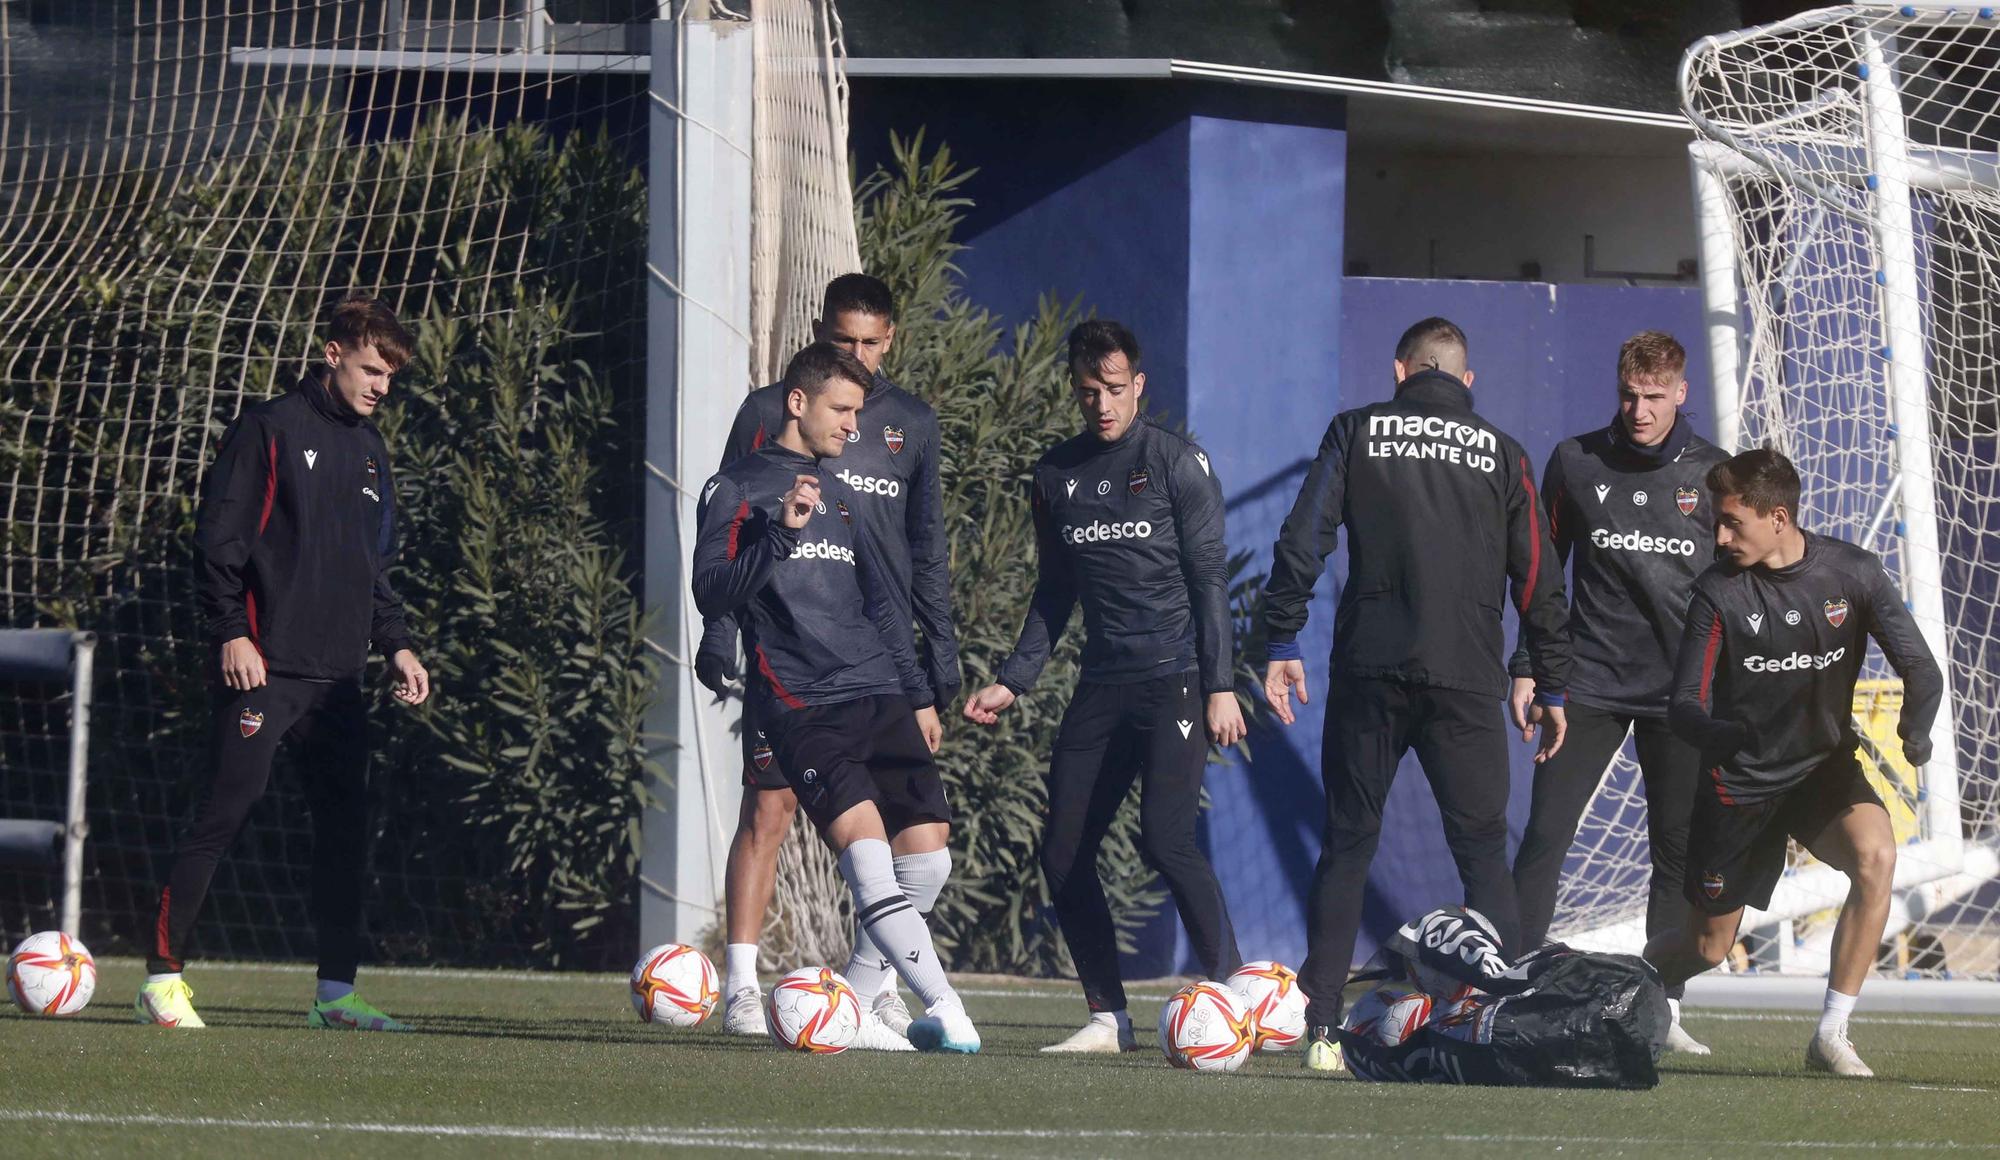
(360, 320)
(1433, 344)
(1090, 343)
(821, 363)
(1651, 356)
(857, 294)
(1762, 479)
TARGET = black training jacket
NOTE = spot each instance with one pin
(295, 536)
(1133, 531)
(1441, 516)
(1764, 683)
(817, 624)
(889, 478)
(1637, 523)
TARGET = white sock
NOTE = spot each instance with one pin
(1674, 1007)
(892, 923)
(1833, 1017)
(1121, 1020)
(167, 977)
(329, 990)
(739, 968)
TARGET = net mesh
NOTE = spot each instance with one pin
(186, 186)
(1820, 131)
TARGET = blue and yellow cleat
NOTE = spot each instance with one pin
(167, 1004)
(351, 1012)
(945, 1028)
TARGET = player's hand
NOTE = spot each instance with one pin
(413, 681)
(1554, 727)
(242, 665)
(797, 506)
(1280, 678)
(985, 706)
(1225, 719)
(1521, 706)
(1917, 751)
(932, 728)
(717, 672)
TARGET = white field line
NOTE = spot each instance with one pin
(812, 1139)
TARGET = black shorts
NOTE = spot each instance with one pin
(1736, 853)
(865, 750)
(760, 760)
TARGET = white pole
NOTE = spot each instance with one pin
(1909, 395)
(1721, 291)
(75, 824)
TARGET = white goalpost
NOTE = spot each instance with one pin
(1848, 215)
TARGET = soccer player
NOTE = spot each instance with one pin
(1128, 518)
(293, 543)
(889, 474)
(1764, 688)
(840, 695)
(1441, 516)
(1629, 502)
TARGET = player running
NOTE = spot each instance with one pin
(1630, 503)
(1776, 633)
(293, 543)
(889, 474)
(840, 696)
(1128, 518)
(1441, 515)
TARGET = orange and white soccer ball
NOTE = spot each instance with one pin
(674, 986)
(1277, 1005)
(814, 1009)
(51, 974)
(1388, 1016)
(1207, 1027)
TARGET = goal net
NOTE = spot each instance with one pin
(1845, 175)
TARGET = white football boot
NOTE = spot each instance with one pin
(888, 1007)
(875, 1035)
(1097, 1039)
(945, 1027)
(744, 1014)
(1835, 1054)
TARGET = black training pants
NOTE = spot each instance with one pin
(326, 724)
(1111, 735)
(1669, 768)
(1461, 740)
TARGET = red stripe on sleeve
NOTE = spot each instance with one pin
(1708, 654)
(270, 484)
(1721, 794)
(757, 440)
(1534, 537)
(764, 667)
(736, 525)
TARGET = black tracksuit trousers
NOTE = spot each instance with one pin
(1669, 768)
(1152, 732)
(1461, 740)
(326, 723)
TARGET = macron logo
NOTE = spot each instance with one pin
(310, 457)
(1201, 458)
(1756, 620)
(1069, 489)
(1603, 489)
(708, 493)
(1186, 728)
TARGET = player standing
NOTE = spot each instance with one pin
(1630, 503)
(890, 477)
(1764, 687)
(1128, 519)
(1441, 514)
(293, 544)
(847, 710)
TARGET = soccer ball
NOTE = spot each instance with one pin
(1207, 1027)
(1388, 1016)
(1277, 1005)
(814, 1009)
(674, 985)
(51, 974)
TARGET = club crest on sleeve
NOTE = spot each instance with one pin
(1136, 482)
(761, 757)
(248, 722)
(1836, 611)
(1712, 885)
(893, 436)
(1685, 499)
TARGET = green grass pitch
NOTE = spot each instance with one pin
(558, 1066)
